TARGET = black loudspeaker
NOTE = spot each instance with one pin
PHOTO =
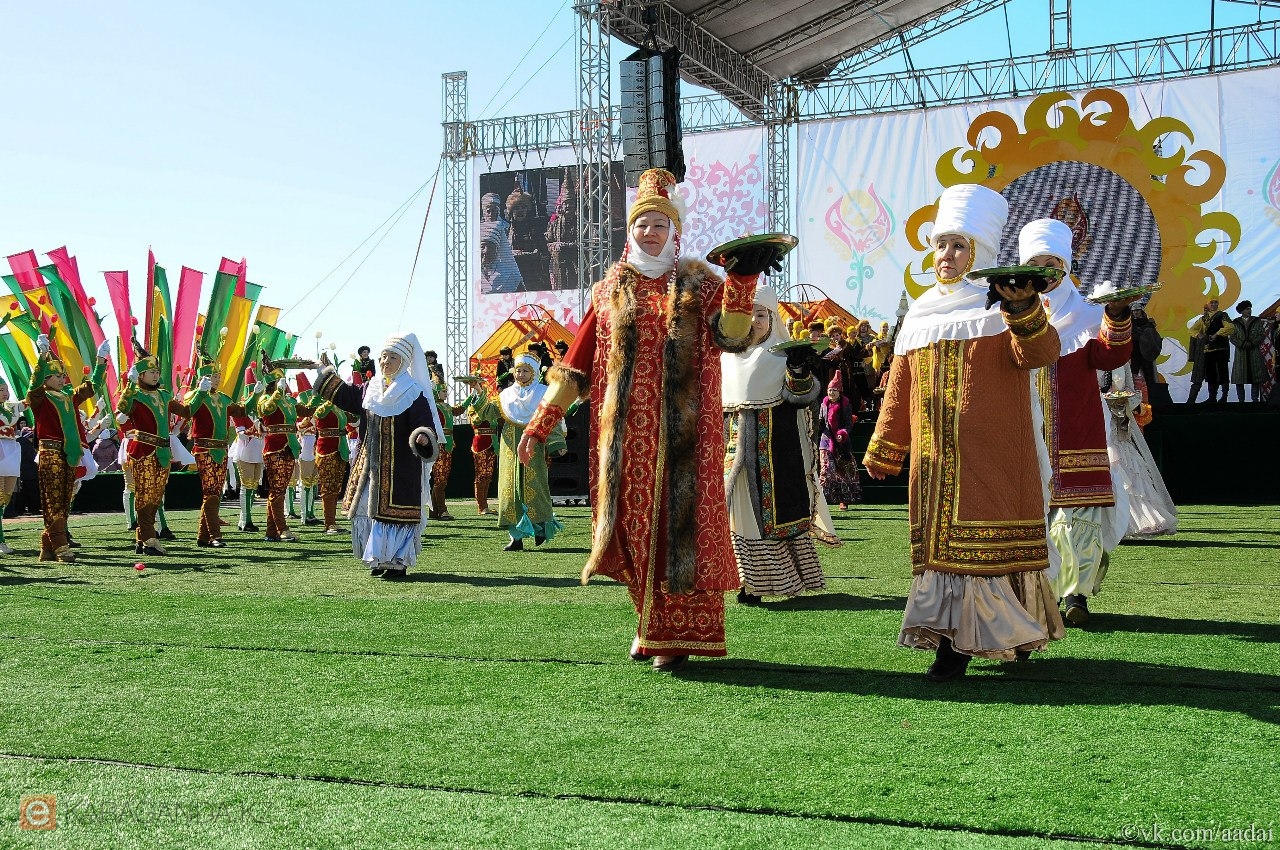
(570, 474)
(650, 109)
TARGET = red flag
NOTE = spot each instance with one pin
(185, 313)
(26, 270)
(118, 287)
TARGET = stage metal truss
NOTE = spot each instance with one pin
(594, 143)
(1148, 60)
(704, 57)
(847, 65)
(777, 130)
(457, 155)
(754, 100)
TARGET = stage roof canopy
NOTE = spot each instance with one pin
(733, 46)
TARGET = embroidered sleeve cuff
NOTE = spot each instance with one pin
(739, 293)
(885, 456)
(1115, 331)
(547, 417)
(1028, 324)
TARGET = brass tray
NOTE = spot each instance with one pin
(818, 346)
(784, 241)
(1123, 293)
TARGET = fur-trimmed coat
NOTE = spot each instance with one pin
(648, 357)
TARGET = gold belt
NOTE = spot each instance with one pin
(148, 439)
(209, 443)
(55, 445)
(278, 429)
(329, 432)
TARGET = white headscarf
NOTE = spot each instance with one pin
(754, 378)
(413, 380)
(649, 265)
(1076, 320)
(520, 403)
(959, 310)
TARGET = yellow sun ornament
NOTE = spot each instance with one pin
(1100, 132)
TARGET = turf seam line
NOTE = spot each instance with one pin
(746, 666)
(762, 811)
(373, 653)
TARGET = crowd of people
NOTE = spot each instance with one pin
(719, 437)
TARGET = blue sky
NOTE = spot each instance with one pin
(286, 132)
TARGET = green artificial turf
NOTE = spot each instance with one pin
(276, 695)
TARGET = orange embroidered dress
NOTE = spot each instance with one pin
(962, 410)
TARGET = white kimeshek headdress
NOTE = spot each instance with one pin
(959, 310)
(1076, 320)
(754, 377)
(520, 403)
(384, 398)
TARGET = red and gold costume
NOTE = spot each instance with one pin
(210, 411)
(483, 458)
(332, 458)
(1075, 423)
(148, 453)
(60, 438)
(278, 412)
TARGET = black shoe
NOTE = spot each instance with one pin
(749, 598)
(516, 545)
(538, 539)
(1077, 609)
(167, 534)
(248, 526)
(271, 539)
(311, 521)
(393, 575)
(137, 549)
(377, 571)
(151, 550)
(948, 665)
(1021, 655)
(211, 544)
(292, 516)
(133, 526)
(72, 542)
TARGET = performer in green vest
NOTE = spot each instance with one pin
(333, 456)
(60, 438)
(147, 406)
(278, 411)
(444, 463)
(210, 437)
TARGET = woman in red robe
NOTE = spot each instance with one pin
(647, 355)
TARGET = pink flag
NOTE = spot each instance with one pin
(69, 271)
(240, 270)
(26, 270)
(184, 317)
(118, 287)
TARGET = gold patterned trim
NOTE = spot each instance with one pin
(1115, 333)
(1029, 324)
(886, 453)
